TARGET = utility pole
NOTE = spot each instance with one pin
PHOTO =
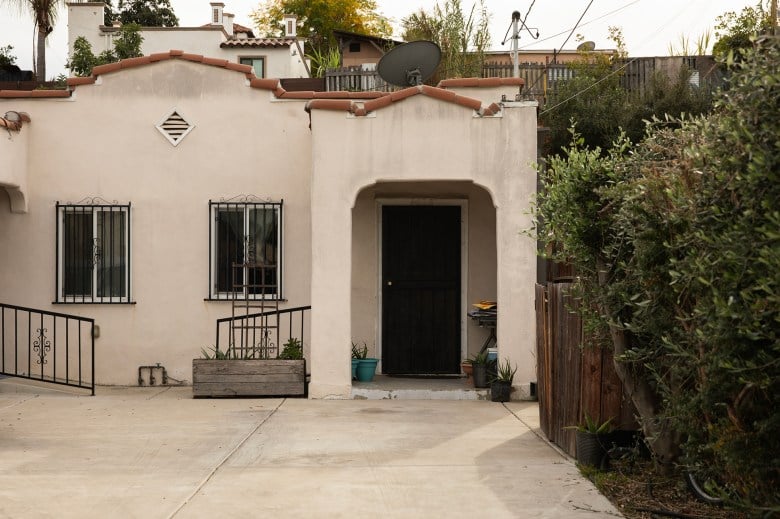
(515, 44)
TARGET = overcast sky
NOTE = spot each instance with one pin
(649, 26)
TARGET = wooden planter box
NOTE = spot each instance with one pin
(250, 377)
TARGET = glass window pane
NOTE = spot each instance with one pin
(111, 253)
(229, 242)
(258, 64)
(263, 246)
(77, 253)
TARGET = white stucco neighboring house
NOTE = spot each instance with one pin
(389, 214)
(220, 38)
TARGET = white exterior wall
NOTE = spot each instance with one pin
(416, 139)
(103, 142)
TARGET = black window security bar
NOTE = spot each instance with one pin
(47, 346)
(246, 231)
(248, 336)
(93, 252)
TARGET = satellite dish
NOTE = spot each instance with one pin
(586, 46)
(410, 64)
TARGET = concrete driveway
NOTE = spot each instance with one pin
(158, 453)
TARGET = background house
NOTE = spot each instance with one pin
(220, 38)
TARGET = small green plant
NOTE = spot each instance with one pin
(479, 358)
(359, 352)
(212, 353)
(592, 426)
(505, 372)
(292, 349)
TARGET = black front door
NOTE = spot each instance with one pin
(421, 289)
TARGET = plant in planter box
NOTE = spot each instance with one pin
(501, 385)
(591, 441)
(479, 364)
(292, 349)
(244, 372)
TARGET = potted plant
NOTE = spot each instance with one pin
(366, 366)
(358, 353)
(591, 441)
(501, 385)
(467, 369)
(479, 363)
(224, 373)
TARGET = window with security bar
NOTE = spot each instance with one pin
(93, 253)
(245, 257)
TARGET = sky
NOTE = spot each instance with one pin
(649, 26)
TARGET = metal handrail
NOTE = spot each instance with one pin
(44, 344)
(281, 332)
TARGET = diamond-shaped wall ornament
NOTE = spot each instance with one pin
(174, 126)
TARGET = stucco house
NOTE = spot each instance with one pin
(389, 214)
(221, 38)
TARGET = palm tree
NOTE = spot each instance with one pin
(44, 14)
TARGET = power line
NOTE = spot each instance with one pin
(575, 27)
(620, 69)
(584, 24)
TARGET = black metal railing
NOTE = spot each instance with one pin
(47, 346)
(263, 334)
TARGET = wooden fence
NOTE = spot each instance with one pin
(573, 380)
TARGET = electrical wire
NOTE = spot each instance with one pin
(619, 69)
(575, 26)
(585, 23)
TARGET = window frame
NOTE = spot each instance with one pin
(264, 59)
(93, 208)
(244, 204)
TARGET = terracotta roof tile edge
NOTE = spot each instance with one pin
(25, 94)
(330, 104)
(75, 81)
(264, 84)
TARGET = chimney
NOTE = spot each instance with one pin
(290, 28)
(227, 23)
(216, 13)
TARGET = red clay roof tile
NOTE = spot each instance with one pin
(468, 102)
(246, 69)
(330, 104)
(105, 69)
(198, 58)
(376, 104)
(298, 94)
(215, 62)
(266, 84)
(134, 62)
(75, 81)
(159, 56)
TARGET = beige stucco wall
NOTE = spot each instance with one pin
(103, 142)
(419, 139)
